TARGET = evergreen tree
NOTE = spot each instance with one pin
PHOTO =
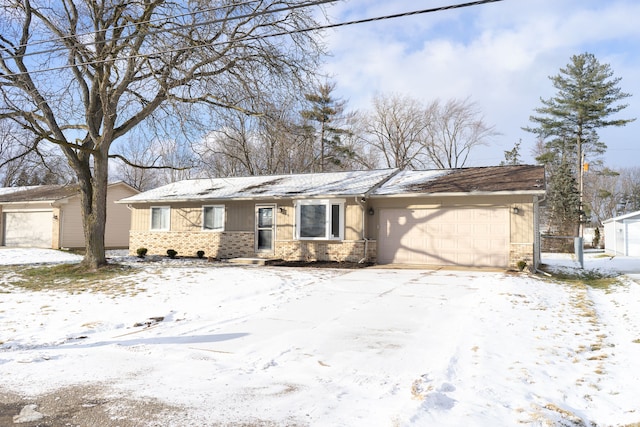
(563, 200)
(587, 96)
(512, 157)
(327, 111)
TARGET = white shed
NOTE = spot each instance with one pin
(622, 235)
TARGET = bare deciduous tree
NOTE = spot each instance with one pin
(396, 129)
(82, 74)
(403, 132)
(23, 164)
(454, 129)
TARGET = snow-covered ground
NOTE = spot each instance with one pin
(325, 347)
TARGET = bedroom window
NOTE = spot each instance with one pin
(213, 218)
(320, 219)
(160, 216)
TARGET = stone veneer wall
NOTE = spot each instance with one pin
(225, 245)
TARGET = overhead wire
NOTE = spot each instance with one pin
(254, 14)
(263, 36)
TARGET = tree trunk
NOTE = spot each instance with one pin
(93, 196)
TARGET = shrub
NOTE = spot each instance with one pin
(521, 265)
(200, 254)
(596, 238)
(171, 253)
(141, 252)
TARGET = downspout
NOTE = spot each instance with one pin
(537, 237)
(359, 200)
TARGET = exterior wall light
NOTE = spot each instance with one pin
(371, 211)
(516, 211)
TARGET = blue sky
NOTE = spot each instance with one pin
(498, 55)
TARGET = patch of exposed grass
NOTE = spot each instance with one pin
(593, 278)
(73, 279)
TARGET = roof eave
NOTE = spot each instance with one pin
(460, 194)
(30, 202)
(240, 199)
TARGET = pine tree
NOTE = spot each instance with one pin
(563, 200)
(326, 110)
(587, 95)
(512, 157)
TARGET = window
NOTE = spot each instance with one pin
(213, 218)
(160, 218)
(320, 219)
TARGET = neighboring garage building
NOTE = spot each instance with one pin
(622, 235)
(49, 216)
(481, 217)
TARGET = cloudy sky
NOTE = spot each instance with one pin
(499, 55)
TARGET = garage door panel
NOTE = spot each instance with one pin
(473, 237)
(28, 228)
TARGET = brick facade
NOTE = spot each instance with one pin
(226, 245)
(186, 243)
(521, 252)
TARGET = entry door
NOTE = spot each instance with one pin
(265, 228)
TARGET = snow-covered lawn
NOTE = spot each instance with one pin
(324, 347)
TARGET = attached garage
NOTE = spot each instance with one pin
(475, 217)
(28, 228)
(469, 236)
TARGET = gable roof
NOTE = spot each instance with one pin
(39, 193)
(388, 182)
(334, 184)
(43, 193)
(520, 179)
(630, 215)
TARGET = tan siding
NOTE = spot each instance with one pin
(522, 224)
(71, 232)
(140, 218)
(185, 217)
(285, 221)
(118, 217)
(352, 221)
(117, 225)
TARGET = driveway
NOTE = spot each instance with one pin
(228, 345)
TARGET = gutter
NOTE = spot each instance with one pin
(461, 194)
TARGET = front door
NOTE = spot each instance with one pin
(265, 228)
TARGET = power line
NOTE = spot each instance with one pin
(254, 14)
(265, 36)
(122, 27)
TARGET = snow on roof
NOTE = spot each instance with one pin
(405, 180)
(274, 186)
(39, 193)
(9, 190)
(623, 217)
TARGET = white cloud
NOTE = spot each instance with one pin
(498, 54)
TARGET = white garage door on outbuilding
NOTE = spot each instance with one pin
(473, 236)
(28, 228)
(622, 235)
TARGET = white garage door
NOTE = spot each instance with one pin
(470, 237)
(32, 228)
(633, 238)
